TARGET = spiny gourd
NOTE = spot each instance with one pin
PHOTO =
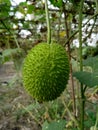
(46, 71)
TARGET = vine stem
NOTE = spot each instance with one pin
(48, 23)
(81, 66)
(69, 54)
(97, 5)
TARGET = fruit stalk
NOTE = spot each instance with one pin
(48, 23)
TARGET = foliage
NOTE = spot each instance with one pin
(91, 62)
(4, 8)
(56, 3)
(8, 53)
(55, 125)
(89, 78)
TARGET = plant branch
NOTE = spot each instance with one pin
(90, 32)
(73, 34)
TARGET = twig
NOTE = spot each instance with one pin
(71, 116)
(90, 32)
(30, 113)
(72, 35)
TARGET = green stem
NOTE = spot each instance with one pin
(97, 6)
(81, 66)
(48, 23)
(80, 35)
(16, 41)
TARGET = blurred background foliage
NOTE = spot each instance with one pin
(24, 24)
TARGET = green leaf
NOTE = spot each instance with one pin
(8, 52)
(26, 25)
(5, 1)
(23, 4)
(30, 8)
(92, 62)
(55, 125)
(21, 9)
(56, 3)
(4, 8)
(87, 78)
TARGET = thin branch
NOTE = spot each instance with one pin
(70, 38)
(90, 32)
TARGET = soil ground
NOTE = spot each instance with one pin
(12, 95)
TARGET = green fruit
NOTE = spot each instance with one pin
(46, 71)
